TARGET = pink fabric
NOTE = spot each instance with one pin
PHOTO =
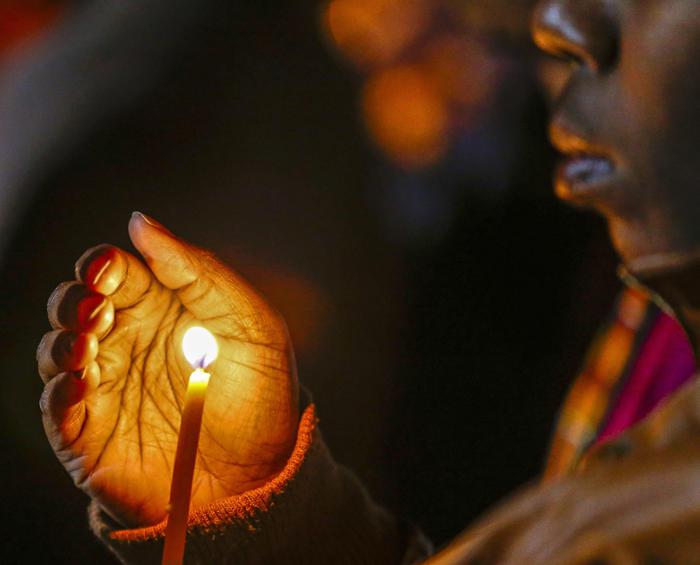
(665, 362)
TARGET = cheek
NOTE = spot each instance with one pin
(659, 87)
(656, 126)
(660, 68)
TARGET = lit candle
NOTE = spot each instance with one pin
(200, 349)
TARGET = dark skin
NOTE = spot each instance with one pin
(629, 122)
(115, 376)
(632, 100)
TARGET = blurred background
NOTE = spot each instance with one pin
(378, 168)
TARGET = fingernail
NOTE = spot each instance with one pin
(89, 308)
(150, 221)
(97, 310)
(98, 268)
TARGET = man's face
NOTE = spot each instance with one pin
(628, 120)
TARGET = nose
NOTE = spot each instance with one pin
(586, 31)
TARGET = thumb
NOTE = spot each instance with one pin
(205, 286)
(168, 257)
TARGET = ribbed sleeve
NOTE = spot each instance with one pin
(314, 512)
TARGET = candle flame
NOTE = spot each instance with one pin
(200, 347)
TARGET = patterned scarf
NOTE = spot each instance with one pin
(639, 357)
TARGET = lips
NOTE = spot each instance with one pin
(587, 171)
(584, 176)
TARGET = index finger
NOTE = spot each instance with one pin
(115, 273)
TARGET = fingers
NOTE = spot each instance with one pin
(113, 272)
(205, 286)
(61, 350)
(62, 404)
(73, 306)
(102, 269)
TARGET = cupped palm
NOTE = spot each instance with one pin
(132, 397)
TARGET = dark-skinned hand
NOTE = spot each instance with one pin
(115, 376)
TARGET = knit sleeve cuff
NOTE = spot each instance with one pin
(314, 512)
(235, 508)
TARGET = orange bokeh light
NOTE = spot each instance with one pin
(406, 115)
(372, 32)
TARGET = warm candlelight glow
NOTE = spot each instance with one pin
(199, 379)
(200, 347)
